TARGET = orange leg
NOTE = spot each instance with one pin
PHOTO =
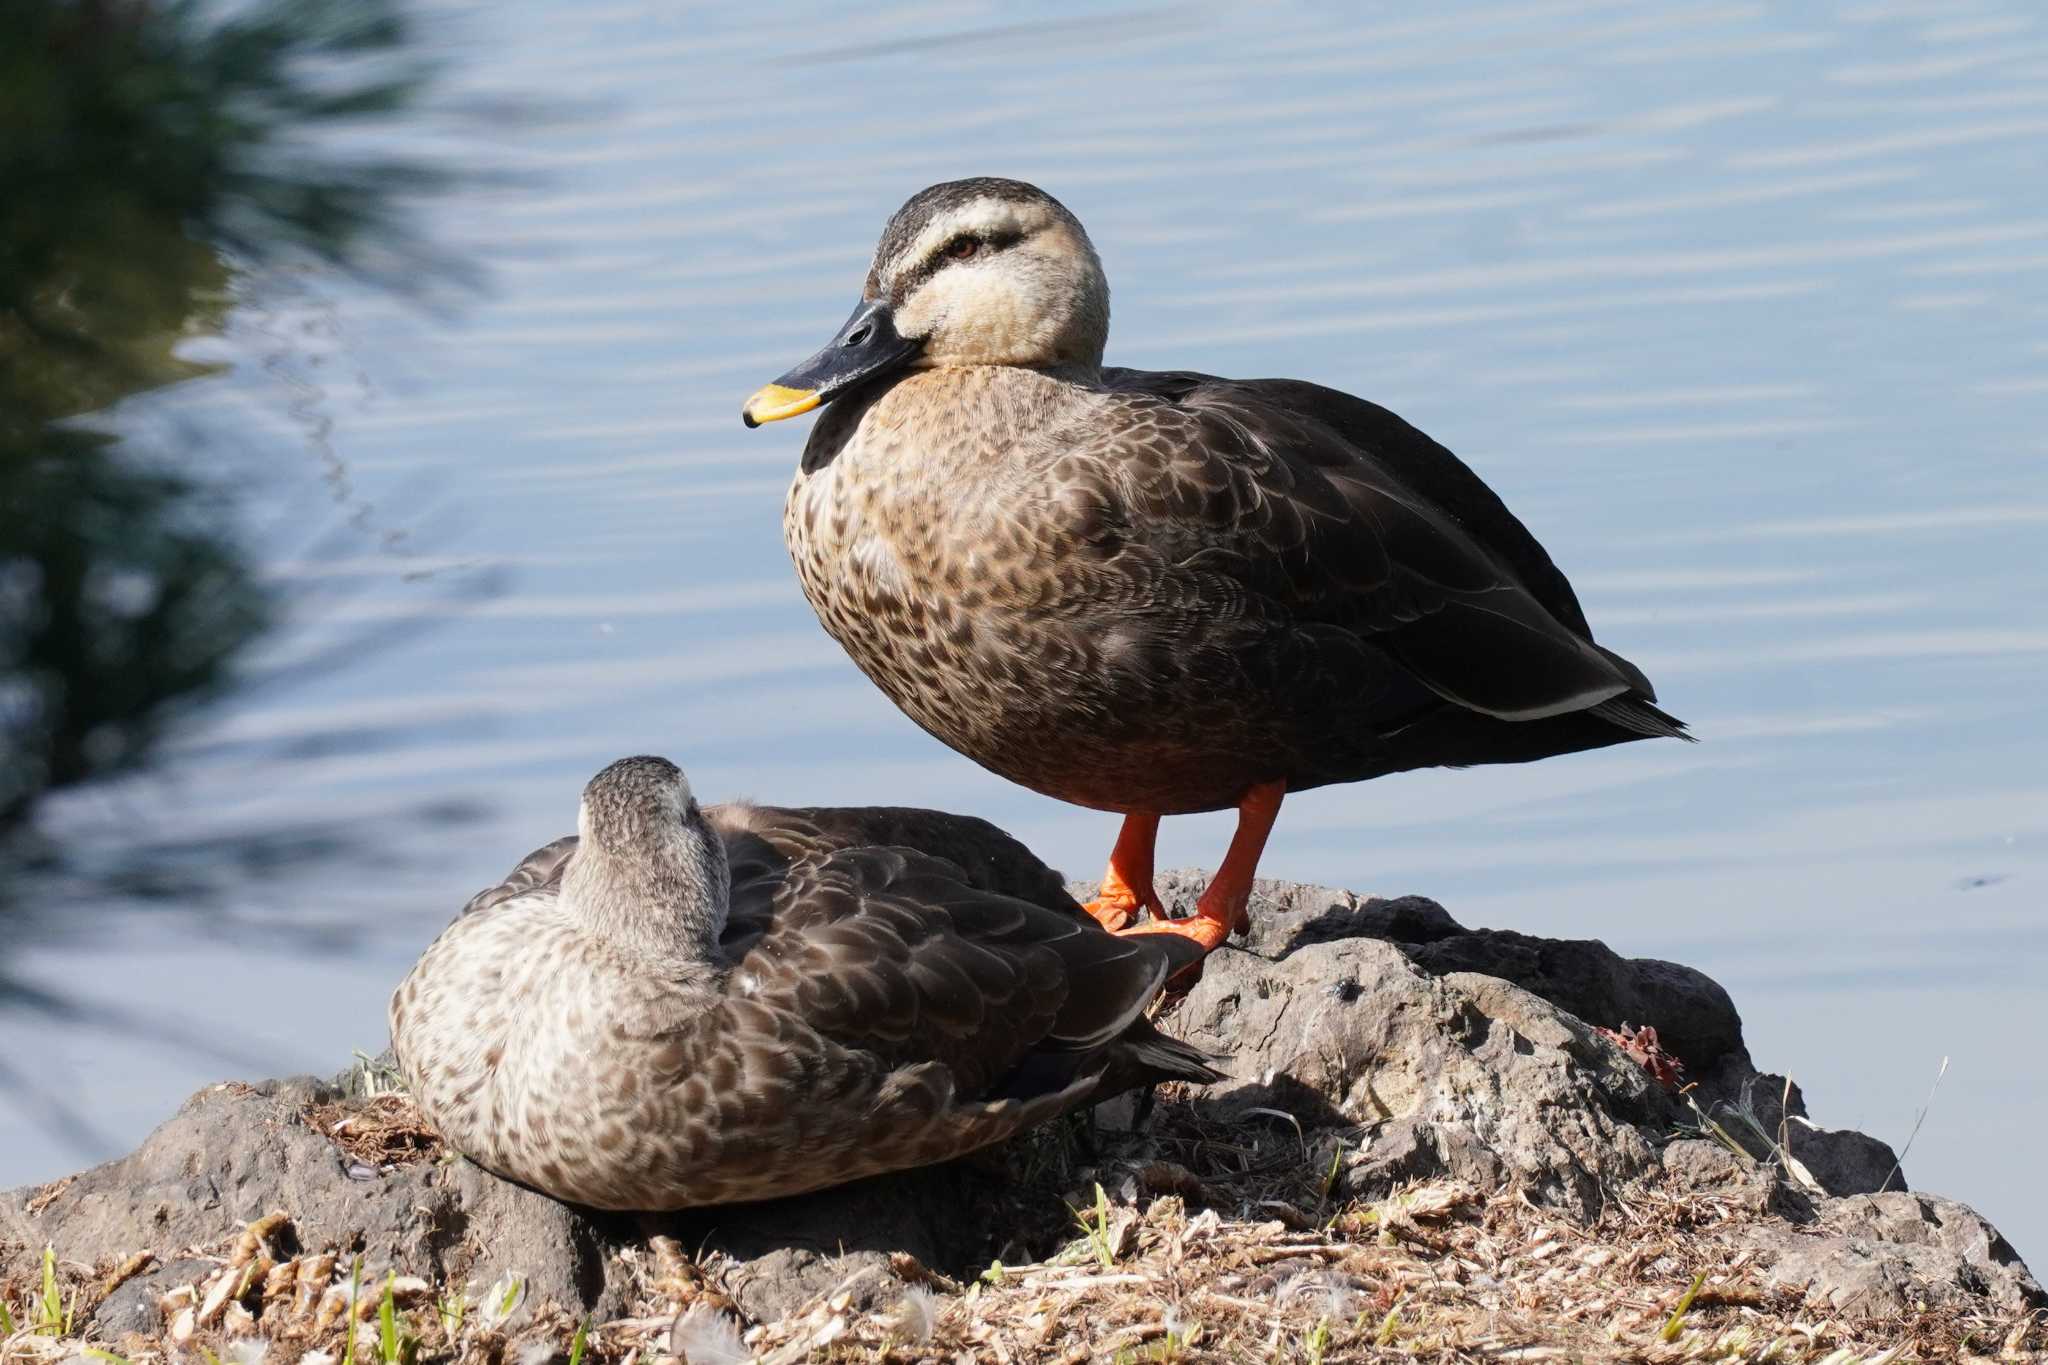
(1127, 885)
(1222, 907)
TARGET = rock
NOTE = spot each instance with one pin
(1840, 1161)
(1876, 1256)
(235, 1152)
(1582, 977)
(1581, 980)
(790, 1251)
(1460, 1074)
(133, 1307)
(1413, 1048)
(1703, 1164)
(1386, 1014)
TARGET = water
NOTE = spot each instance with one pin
(1739, 307)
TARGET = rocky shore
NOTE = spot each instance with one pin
(1434, 1141)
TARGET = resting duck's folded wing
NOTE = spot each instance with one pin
(765, 840)
(892, 950)
(538, 870)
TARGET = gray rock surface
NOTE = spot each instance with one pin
(1884, 1254)
(235, 1152)
(1398, 989)
(1470, 1054)
(1583, 977)
(1461, 1074)
(1841, 1161)
(1433, 1050)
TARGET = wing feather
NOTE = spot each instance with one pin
(879, 1010)
(1341, 526)
(890, 948)
(537, 871)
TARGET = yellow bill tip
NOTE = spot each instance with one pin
(773, 402)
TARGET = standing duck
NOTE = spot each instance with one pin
(1159, 592)
(680, 1005)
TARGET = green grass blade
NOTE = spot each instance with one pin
(581, 1339)
(1316, 1342)
(355, 1282)
(387, 1322)
(52, 1308)
(1104, 1252)
(1676, 1322)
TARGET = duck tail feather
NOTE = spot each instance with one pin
(1640, 717)
(1173, 1059)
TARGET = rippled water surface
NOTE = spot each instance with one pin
(1741, 307)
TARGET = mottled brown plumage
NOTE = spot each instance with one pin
(1160, 592)
(888, 988)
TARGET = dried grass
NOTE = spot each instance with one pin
(384, 1130)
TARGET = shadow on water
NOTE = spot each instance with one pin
(158, 167)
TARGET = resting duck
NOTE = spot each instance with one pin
(1159, 592)
(684, 1005)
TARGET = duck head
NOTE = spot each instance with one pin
(970, 272)
(649, 873)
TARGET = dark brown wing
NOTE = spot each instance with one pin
(885, 1014)
(1420, 463)
(765, 840)
(762, 841)
(1318, 512)
(963, 949)
(894, 952)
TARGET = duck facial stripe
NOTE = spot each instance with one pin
(991, 222)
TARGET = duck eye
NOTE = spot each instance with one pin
(962, 248)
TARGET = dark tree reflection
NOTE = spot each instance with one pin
(147, 155)
(156, 159)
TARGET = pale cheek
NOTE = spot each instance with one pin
(919, 312)
(979, 318)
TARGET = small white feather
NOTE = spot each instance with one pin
(705, 1336)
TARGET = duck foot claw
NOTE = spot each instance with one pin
(1113, 915)
(1117, 908)
(1127, 884)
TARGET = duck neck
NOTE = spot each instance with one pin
(1086, 373)
(665, 902)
